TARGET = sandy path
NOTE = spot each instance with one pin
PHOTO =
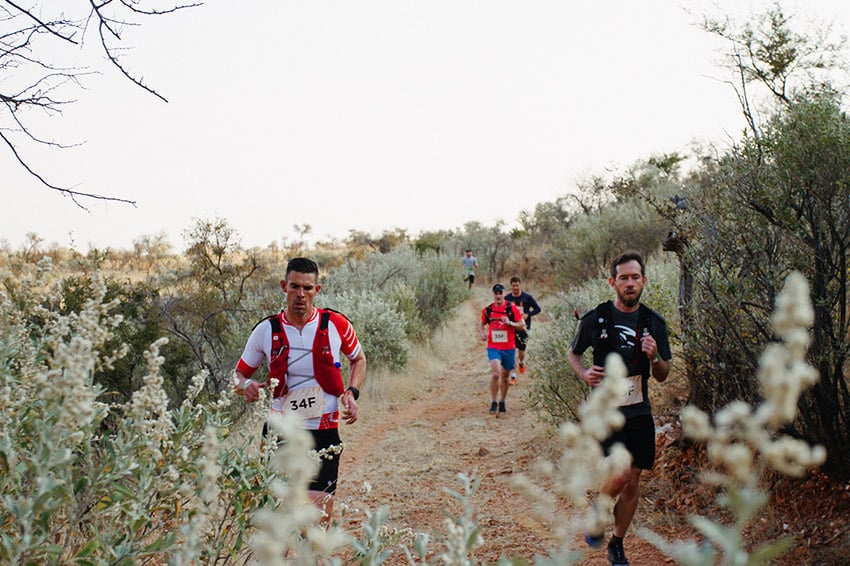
(410, 448)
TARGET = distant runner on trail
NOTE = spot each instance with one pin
(529, 308)
(303, 346)
(499, 320)
(470, 267)
(639, 335)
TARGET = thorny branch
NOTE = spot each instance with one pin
(30, 80)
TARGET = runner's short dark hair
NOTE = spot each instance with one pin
(626, 256)
(302, 265)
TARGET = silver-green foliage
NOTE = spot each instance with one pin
(188, 486)
(774, 201)
(380, 327)
(178, 486)
(554, 394)
(438, 290)
(394, 298)
(71, 492)
(596, 238)
(742, 441)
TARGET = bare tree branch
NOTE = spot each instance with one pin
(64, 190)
(49, 27)
(30, 80)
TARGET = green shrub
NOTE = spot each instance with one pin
(380, 328)
(423, 287)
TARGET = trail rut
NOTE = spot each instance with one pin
(410, 448)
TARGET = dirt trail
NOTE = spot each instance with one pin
(410, 449)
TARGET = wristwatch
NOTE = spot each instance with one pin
(354, 391)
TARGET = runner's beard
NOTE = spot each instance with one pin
(630, 302)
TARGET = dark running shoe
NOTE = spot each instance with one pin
(594, 540)
(502, 409)
(616, 554)
(493, 407)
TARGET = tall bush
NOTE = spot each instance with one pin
(743, 441)
(424, 287)
(774, 204)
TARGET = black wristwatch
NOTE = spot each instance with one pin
(354, 391)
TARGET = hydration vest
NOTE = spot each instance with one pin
(509, 311)
(326, 371)
(606, 341)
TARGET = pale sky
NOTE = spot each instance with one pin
(373, 115)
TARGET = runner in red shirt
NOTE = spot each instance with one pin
(499, 322)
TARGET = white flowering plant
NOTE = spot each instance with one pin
(76, 487)
(742, 442)
(581, 468)
(89, 482)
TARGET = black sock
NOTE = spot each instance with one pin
(615, 540)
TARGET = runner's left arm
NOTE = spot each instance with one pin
(533, 307)
(356, 376)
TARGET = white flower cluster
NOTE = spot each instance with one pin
(583, 466)
(329, 452)
(195, 387)
(211, 472)
(94, 323)
(71, 381)
(208, 512)
(77, 341)
(461, 539)
(147, 412)
(462, 531)
(291, 528)
(739, 433)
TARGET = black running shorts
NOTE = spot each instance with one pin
(521, 339)
(328, 474)
(329, 470)
(638, 436)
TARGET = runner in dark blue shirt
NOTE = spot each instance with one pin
(529, 308)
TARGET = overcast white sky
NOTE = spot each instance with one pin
(373, 115)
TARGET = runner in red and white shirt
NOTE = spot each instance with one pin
(300, 391)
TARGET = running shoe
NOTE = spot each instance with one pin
(513, 378)
(522, 367)
(493, 407)
(594, 540)
(616, 554)
(502, 409)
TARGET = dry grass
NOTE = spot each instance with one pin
(427, 363)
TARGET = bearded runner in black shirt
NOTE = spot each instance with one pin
(639, 335)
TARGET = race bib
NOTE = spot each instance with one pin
(499, 336)
(635, 394)
(308, 402)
